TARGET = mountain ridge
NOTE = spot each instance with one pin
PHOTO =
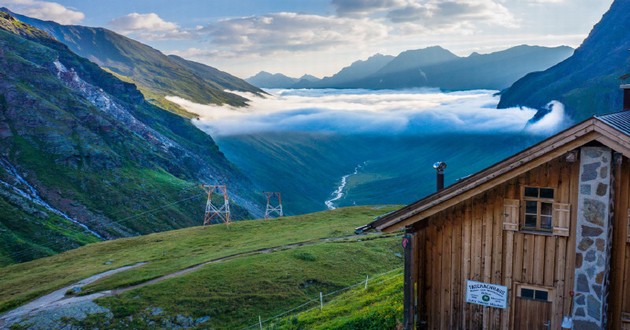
(433, 67)
(156, 75)
(91, 147)
(586, 83)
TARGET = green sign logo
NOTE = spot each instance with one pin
(485, 297)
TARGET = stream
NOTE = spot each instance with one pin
(31, 194)
(338, 193)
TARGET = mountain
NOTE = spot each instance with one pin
(215, 77)
(433, 67)
(265, 79)
(587, 83)
(439, 68)
(308, 77)
(415, 59)
(356, 71)
(84, 157)
(155, 74)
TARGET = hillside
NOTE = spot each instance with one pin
(84, 157)
(267, 268)
(379, 306)
(588, 82)
(155, 74)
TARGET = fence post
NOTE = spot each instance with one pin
(367, 277)
(321, 301)
(260, 321)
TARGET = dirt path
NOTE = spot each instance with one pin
(59, 300)
(233, 256)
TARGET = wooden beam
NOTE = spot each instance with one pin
(409, 294)
(620, 234)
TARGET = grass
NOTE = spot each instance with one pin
(171, 251)
(232, 294)
(378, 307)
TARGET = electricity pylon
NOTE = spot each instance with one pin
(277, 208)
(220, 212)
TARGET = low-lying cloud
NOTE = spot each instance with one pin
(409, 112)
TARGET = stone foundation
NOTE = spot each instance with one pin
(593, 239)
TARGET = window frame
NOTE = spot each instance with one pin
(550, 291)
(539, 210)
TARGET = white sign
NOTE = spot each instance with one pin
(485, 294)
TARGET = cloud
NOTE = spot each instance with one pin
(427, 15)
(291, 32)
(554, 119)
(148, 26)
(544, 2)
(44, 10)
(410, 112)
(363, 7)
(356, 26)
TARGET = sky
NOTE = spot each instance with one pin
(319, 37)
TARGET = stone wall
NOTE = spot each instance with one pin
(593, 239)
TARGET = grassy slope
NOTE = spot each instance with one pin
(234, 293)
(170, 251)
(377, 308)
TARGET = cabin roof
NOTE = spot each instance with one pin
(618, 120)
(612, 130)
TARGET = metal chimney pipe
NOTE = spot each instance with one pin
(439, 168)
(626, 97)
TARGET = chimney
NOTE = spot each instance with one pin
(626, 97)
(439, 167)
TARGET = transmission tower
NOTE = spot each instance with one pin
(219, 212)
(277, 207)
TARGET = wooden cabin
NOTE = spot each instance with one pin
(540, 240)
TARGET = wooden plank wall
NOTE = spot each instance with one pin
(467, 241)
(619, 313)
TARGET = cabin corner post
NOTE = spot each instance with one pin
(592, 238)
(409, 309)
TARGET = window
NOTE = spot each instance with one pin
(533, 293)
(538, 209)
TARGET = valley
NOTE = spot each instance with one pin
(107, 134)
(378, 145)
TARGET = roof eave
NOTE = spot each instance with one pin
(565, 141)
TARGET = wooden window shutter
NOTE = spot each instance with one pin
(561, 219)
(511, 212)
(628, 240)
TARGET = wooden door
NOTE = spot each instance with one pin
(532, 309)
